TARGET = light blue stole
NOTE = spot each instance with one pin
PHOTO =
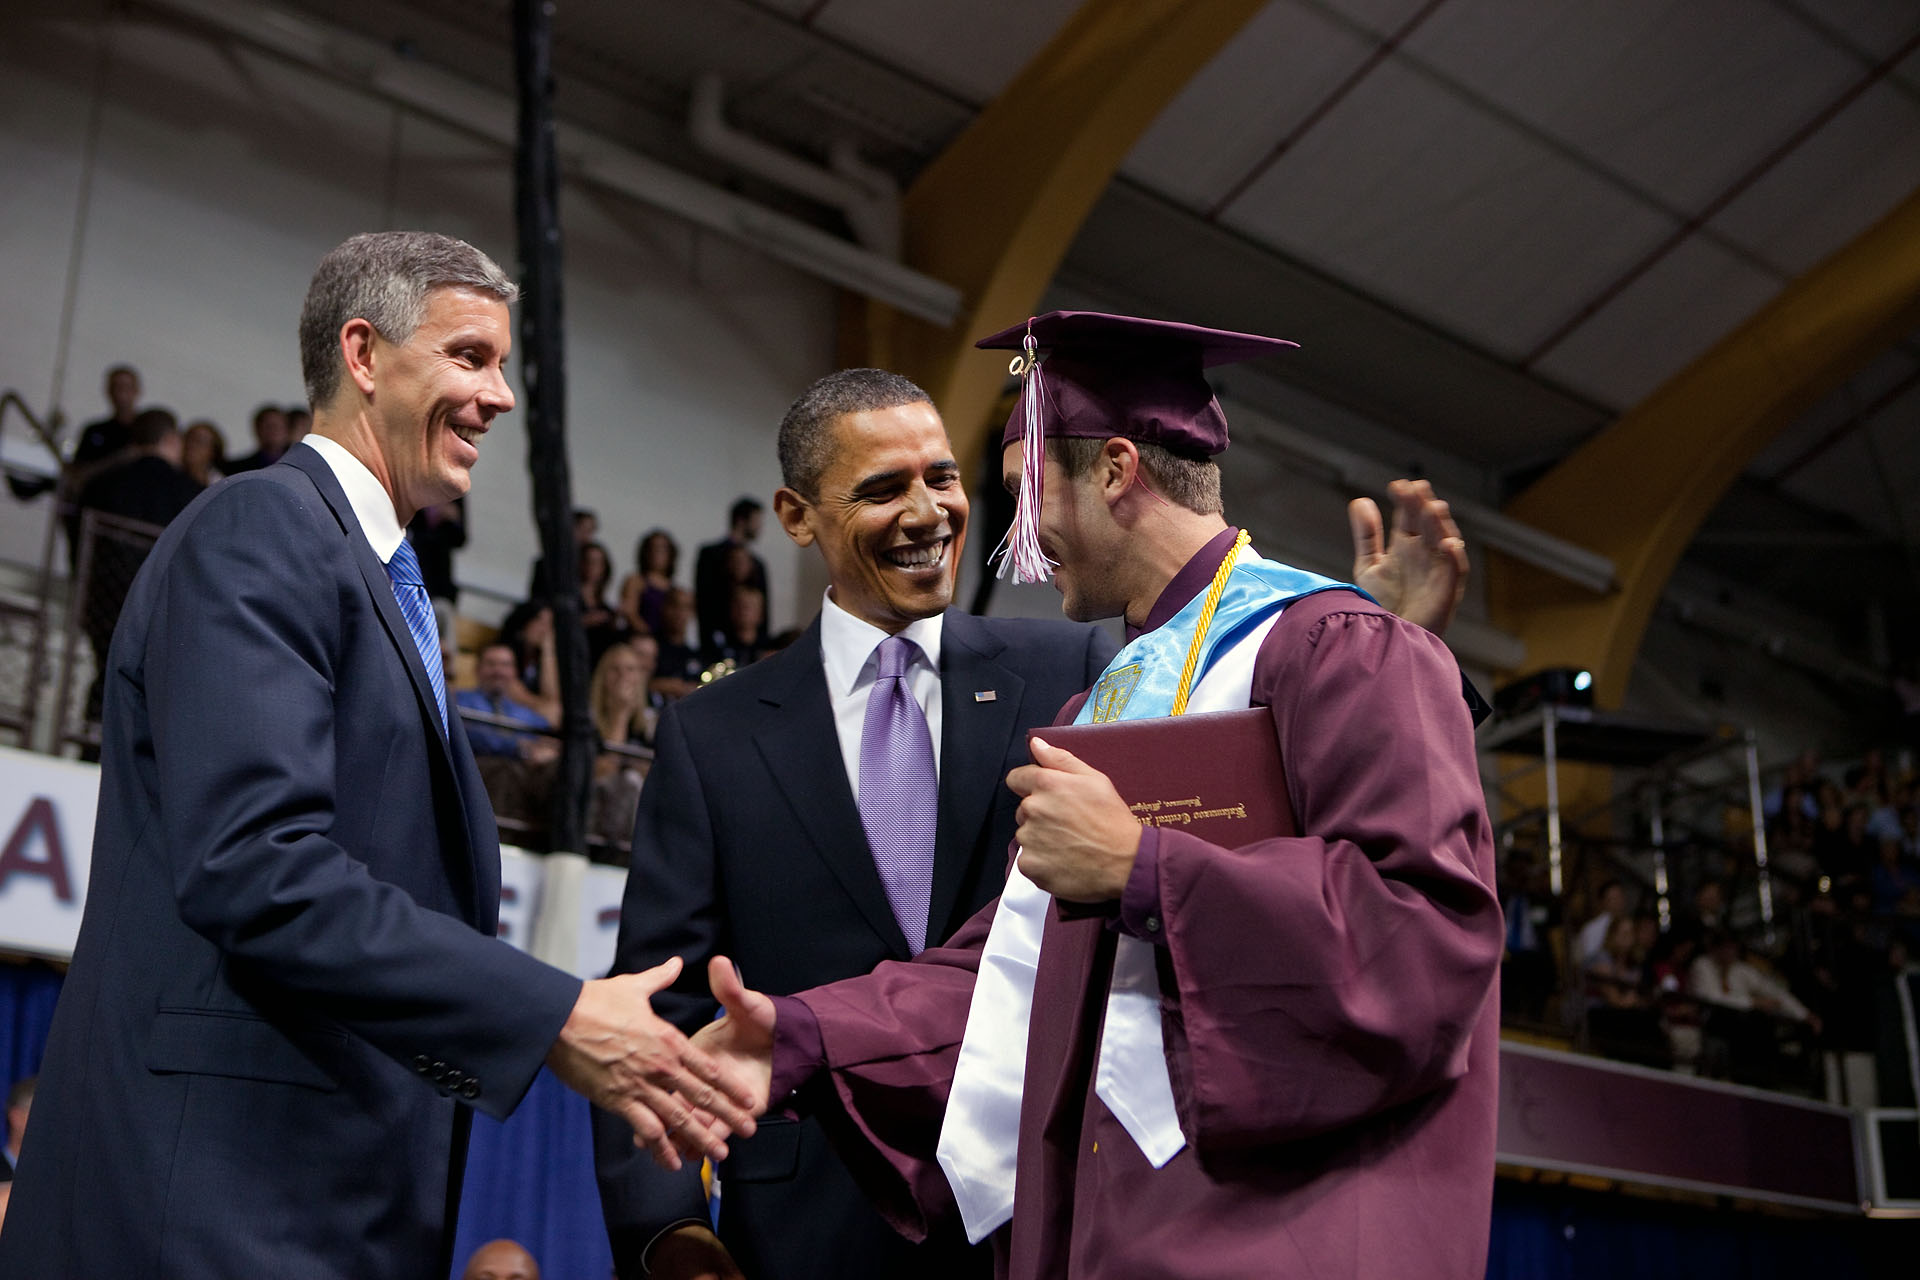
(1144, 677)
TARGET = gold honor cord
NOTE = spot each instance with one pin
(1199, 641)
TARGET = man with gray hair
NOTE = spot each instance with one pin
(286, 995)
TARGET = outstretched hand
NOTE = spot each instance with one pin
(740, 1044)
(1078, 840)
(1420, 572)
(622, 1057)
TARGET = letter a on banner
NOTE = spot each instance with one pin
(43, 820)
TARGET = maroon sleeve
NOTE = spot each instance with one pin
(890, 1040)
(798, 1054)
(1325, 977)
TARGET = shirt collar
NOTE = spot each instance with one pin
(372, 504)
(1193, 578)
(847, 644)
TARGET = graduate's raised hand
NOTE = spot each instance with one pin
(1077, 837)
(623, 1058)
(1420, 571)
(742, 1042)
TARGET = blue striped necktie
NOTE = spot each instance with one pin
(411, 595)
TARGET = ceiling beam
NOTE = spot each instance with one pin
(1638, 491)
(997, 211)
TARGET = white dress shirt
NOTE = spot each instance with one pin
(847, 646)
(372, 504)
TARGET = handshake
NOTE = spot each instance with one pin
(683, 1097)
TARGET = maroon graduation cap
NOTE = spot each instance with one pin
(1091, 375)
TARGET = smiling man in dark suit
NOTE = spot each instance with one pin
(760, 827)
(286, 994)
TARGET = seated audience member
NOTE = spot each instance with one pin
(517, 768)
(271, 434)
(1709, 909)
(1593, 934)
(586, 525)
(1622, 1019)
(744, 641)
(680, 664)
(501, 1260)
(1668, 964)
(1746, 1010)
(604, 626)
(528, 631)
(1896, 883)
(625, 710)
(643, 593)
(436, 532)
(203, 453)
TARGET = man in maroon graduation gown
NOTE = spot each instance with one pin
(1328, 1036)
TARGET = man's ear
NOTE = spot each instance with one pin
(795, 515)
(357, 339)
(1119, 464)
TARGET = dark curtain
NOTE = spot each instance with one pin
(530, 1178)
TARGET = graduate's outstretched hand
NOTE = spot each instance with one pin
(1077, 837)
(742, 1042)
(622, 1057)
(1420, 572)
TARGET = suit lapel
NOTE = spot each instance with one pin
(974, 739)
(801, 750)
(380, 590)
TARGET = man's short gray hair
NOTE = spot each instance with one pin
(383, 277)
(806, 433)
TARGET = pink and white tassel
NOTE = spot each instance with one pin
(1020, 549)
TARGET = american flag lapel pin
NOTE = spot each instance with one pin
(986, 695)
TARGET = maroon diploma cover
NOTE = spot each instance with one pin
(1216, 775)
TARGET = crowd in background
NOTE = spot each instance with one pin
(1807, 1003)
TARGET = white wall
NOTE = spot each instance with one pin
(219, 180)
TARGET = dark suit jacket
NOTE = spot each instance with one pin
(749, 844)
(287, 941)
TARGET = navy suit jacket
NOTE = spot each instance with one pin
(749, 844)
(285, 989)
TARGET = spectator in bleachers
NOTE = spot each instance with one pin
(1528, 972)
(744, 642)
(203, 452)
(436, 532)
(643, 593)
(1746, 1010)
(528, 632)
(1840, 842)
(1593, 934)
(730, 560)
(680, 665)
(501, 1260)
(604, 626)
(518, 768)
(1708, 912)
(1622, 1017)
(103, 442)
(272, 436)
(625, 710)
(145, 486)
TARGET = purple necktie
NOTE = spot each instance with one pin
(899, 795)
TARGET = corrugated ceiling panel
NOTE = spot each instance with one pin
(972, 49)
(1871, 473)
(1679, 97)
(1281, 65)
(1659, 324)
(1419, 198)
(1834, 186)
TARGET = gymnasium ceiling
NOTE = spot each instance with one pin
(1495, 224)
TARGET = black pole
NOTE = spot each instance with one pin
(543, 372)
